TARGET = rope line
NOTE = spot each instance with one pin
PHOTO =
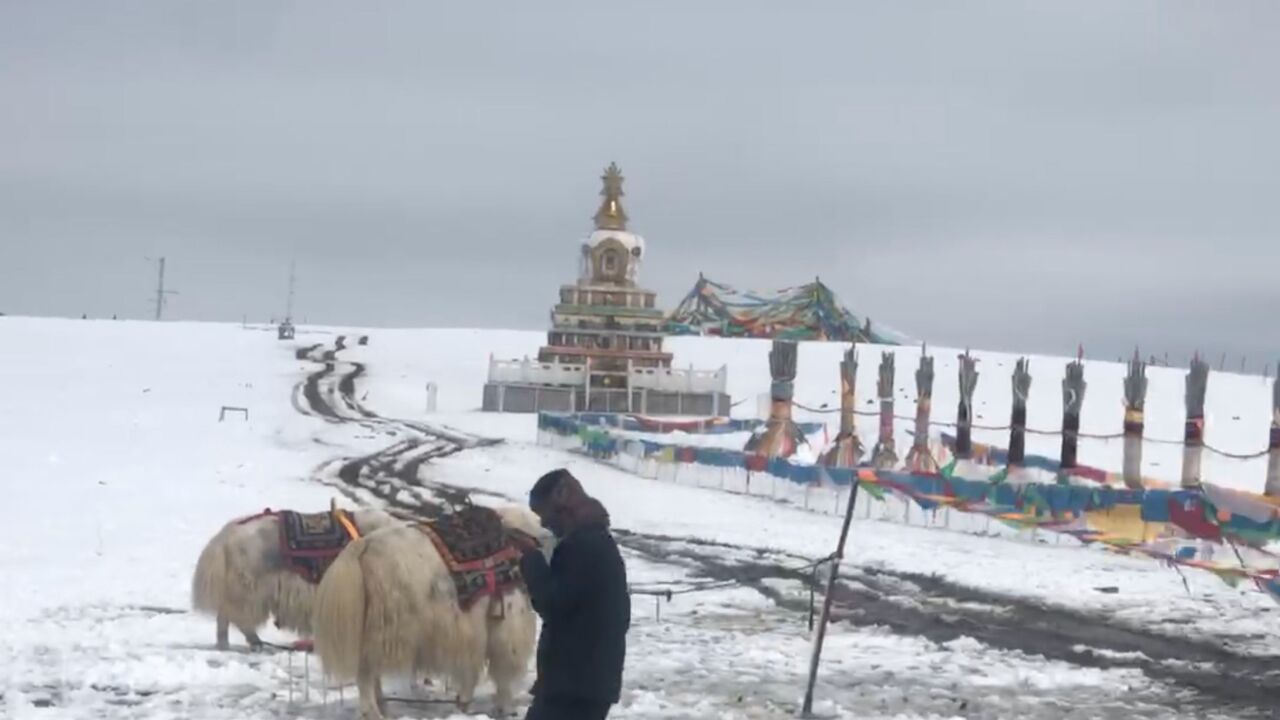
(1037, 431)
(707, 585)
(418, 701)
(1236, 456)
(287, 648)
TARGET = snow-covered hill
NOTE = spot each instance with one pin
(118, 470)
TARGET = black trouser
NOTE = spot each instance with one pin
(567, 709)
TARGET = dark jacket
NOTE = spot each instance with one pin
(586, 611)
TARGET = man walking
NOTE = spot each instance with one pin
(582, 599)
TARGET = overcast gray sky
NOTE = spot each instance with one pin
(1019, 176)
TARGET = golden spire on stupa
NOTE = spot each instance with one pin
(611, 216)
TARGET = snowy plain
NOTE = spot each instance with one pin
(119, 472)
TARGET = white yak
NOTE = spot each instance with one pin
(242, 577)
(388, 604)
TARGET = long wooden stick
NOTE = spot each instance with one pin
(1193, 438)
(1273, 462)
(885, 455)
(1135, 397)
(964, 412)
(919, 458)
(1018, 418)
(807, 709)
(1073, 387)
(847, 448)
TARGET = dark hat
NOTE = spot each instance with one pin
(546, 484)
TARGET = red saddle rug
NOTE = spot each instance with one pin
(478, 551)
(310, 542)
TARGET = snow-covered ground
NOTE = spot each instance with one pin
(121, 471)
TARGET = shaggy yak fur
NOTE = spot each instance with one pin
(241, 578)
(388, 605)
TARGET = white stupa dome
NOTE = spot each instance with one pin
(629, 240)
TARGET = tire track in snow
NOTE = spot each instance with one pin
(392, 474)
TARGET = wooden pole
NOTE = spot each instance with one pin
(1193, 438)
(806, 709)
(1073, 387)
(781, 435)
(885, 455)
(1018, 422)
(1135, 398)
(964, 413)
(847, 448)
(1273, 460)
(848, 392)
(919, 459)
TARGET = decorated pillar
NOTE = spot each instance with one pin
(1193, 438)
(1273, 461)
(964, 412)
(919, 459)
(885, 455)
(1135, 398)
(781, 435)
(1018, 420)
(1073, 387)
(847, 448)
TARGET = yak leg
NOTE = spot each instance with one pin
(224, 630)
(504, 703)
(508, 645)
(370, 687)
(505, 679)
(251, 637)
(507, 673)
(467, 681)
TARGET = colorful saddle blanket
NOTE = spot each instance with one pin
(310, 542)
(479, 552)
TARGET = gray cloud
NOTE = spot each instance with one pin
(987, 174)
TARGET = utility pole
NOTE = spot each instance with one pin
(161, 293)
(288, 312)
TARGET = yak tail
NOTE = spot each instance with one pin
(338, 616)
(209, 584)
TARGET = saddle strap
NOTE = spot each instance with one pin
(348, 524)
